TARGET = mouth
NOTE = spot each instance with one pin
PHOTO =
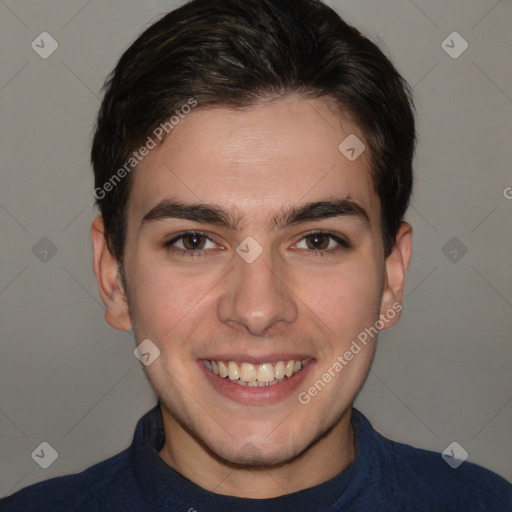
(256, 382)
(255, 375)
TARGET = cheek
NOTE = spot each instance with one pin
(165, 303)
(346, 300)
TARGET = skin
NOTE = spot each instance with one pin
(291, 299)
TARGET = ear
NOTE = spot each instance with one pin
(108, 277)
(396, 266)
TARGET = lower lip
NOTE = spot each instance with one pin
(253, 395)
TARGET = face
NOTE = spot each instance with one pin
(253, 261)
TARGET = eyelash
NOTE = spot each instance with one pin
(343, 244)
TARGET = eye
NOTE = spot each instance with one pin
(322, 242)
(190, 243)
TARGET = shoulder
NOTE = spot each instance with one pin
(407, 478)
(95, 487)
(424, 474)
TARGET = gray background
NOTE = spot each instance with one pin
(441, 375)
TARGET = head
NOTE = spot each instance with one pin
(239, 121)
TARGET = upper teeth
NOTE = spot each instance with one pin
(246, 372)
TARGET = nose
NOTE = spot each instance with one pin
(258, 295)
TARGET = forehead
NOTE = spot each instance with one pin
(256, 159)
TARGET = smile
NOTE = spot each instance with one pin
(255, 375)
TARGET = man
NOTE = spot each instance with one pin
(253, 165)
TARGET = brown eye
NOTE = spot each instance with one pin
(193, 241)
(190, 243)
(317, 241)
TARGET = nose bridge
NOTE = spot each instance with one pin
(256, 296)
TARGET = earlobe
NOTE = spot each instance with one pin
(396, 266)
(107, 272)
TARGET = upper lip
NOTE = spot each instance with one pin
(257, 359)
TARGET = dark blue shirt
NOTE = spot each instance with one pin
(385, 476)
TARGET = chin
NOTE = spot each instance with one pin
(251, 457)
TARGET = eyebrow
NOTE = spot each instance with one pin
(213, 214)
